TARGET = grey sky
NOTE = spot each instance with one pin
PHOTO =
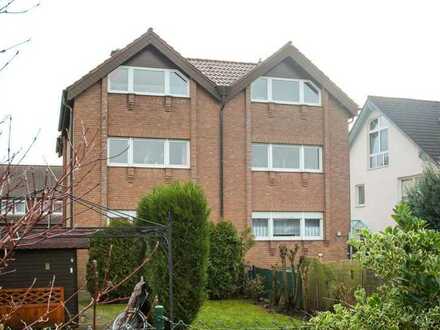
(387, 48)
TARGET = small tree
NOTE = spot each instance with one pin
(225, 261)
(189, 210)
(407, 259)
(424, 197)
(126, 255)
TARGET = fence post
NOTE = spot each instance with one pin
(159, 323)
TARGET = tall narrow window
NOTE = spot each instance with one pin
(378, 143)
(360, 195)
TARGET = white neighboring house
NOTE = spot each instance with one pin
(390, 143)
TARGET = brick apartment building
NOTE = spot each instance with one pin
(267, 141)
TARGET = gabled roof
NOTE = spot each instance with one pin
(35, 176)
(119, 57)
(222, 73)
(418, 119)
(289, 51)
(213, 75)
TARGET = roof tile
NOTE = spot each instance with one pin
(222, 73)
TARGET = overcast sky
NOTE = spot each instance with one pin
(388, 48)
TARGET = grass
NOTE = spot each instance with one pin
(240, 314)
(231, 314)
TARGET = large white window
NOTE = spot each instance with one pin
(286, 157)
(287, 225)
(378, 143)
(148, 152)
(148, 81)
(288, 91)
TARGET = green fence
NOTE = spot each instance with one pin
(323, 285)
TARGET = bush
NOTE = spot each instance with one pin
(254, 288)
(225, 261)
(407, 259)
(424, 198)
(127, 254)
(189, 210)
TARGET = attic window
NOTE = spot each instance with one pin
(285, 91)
(148, 81)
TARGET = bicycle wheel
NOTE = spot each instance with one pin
(130, 321)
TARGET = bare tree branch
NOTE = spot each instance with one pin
(5, 8)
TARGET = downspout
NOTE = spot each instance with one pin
(222, 91)
(68, 107)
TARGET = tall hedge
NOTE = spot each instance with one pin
(190, 212)
(127, 254)
(225, 261)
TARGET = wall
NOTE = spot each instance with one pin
(197, 119)
(382, 186)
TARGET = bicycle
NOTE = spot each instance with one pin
(133, 318)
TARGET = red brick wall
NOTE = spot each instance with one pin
(197, 119)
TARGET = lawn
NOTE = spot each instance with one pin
(226, 314)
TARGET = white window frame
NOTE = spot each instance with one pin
(20, 201)
(289, 215)
(356, 192)
(412, 178)
(301, 92)
(377, 130)
(130, 215)
(167, 90)
(166, 164)
(301, 159)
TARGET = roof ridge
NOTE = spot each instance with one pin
(402, 98)
(222, 61)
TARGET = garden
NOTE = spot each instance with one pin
(393, 282)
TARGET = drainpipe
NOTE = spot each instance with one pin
(222, 91)
(67, 106)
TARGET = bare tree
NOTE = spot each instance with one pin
(9, 7)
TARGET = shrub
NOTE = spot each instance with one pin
(127, 254)
(189, 210)
(424, 198)
(225, 261)
(407, 259)
(254, 288)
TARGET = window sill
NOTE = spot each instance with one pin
(359, 206)
(287, 103)
(149, 94)
(378, 168)
(256, 169)
(278, 239)
(185, 167)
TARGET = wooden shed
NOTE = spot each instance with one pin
(35, 267)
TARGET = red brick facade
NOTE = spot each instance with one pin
(197, 119)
